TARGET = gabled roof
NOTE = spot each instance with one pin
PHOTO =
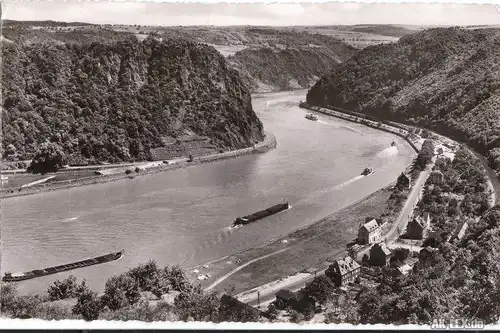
(370, 226)
(345, 265)
(418, 221)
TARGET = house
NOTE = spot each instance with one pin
(379, 254)
(343, 271)
(460, 230)
(436, 177)
(404, 181)
(416, 227)
(369, 232)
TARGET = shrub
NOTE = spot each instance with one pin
(143, 311)
(120, 291)
(68, 288)
(88, 305)
(48, 158)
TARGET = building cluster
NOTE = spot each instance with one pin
(372, 250)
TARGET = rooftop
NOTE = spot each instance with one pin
(346, 265)
(371, 226)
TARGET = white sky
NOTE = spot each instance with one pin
(332, 13)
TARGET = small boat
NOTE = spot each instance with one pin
(367, 171)
(14, 277)
(393, 144)
(311, 116)
(261, 214)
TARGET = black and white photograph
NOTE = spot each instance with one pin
(317, 163)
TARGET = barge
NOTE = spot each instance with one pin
(14, 277)
(261, 214)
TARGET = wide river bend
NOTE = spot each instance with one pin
(184, 216)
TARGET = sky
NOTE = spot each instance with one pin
(221, 14)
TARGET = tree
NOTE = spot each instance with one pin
(88, 305)
(320, 289)
(196, 305)
(121, 291)
(66, 289)
(48, 158)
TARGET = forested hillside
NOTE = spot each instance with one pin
(272, 59)
(116, 100)
(446, 79)
(294, 61)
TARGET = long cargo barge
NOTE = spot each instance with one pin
(14, 277)
(261, 214)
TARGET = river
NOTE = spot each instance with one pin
(184, 216)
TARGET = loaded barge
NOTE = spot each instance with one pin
(261, 214)
(14, 277)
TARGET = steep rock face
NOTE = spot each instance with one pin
(117, 101)
(444, 79)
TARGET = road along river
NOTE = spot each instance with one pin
(184, 216)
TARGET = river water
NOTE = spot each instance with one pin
(184, 216)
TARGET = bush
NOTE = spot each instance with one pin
(143, 311)
(425, 155)
(68, 288)
(128, 172)
(48, 158)
(196, 305)
(120, 291)
(88, 305)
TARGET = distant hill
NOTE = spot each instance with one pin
(272, 58)
(446, 79)
(61, 34)
(291, 61)
(120, 100)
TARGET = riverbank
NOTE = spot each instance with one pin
(305, 250)
(403, 131)
(312, 249)
(265, 145)
(357, 118)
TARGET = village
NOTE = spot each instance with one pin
(418, 237)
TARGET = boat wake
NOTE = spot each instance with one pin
(388, 152)
(348, 182)
(70, 219)
(331, 189)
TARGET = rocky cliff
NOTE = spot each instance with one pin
(447, 80)
(118, 100)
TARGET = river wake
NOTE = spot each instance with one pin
(388, 152)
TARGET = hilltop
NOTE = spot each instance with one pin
(445, 79)
(272, 59)
(119, 100)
